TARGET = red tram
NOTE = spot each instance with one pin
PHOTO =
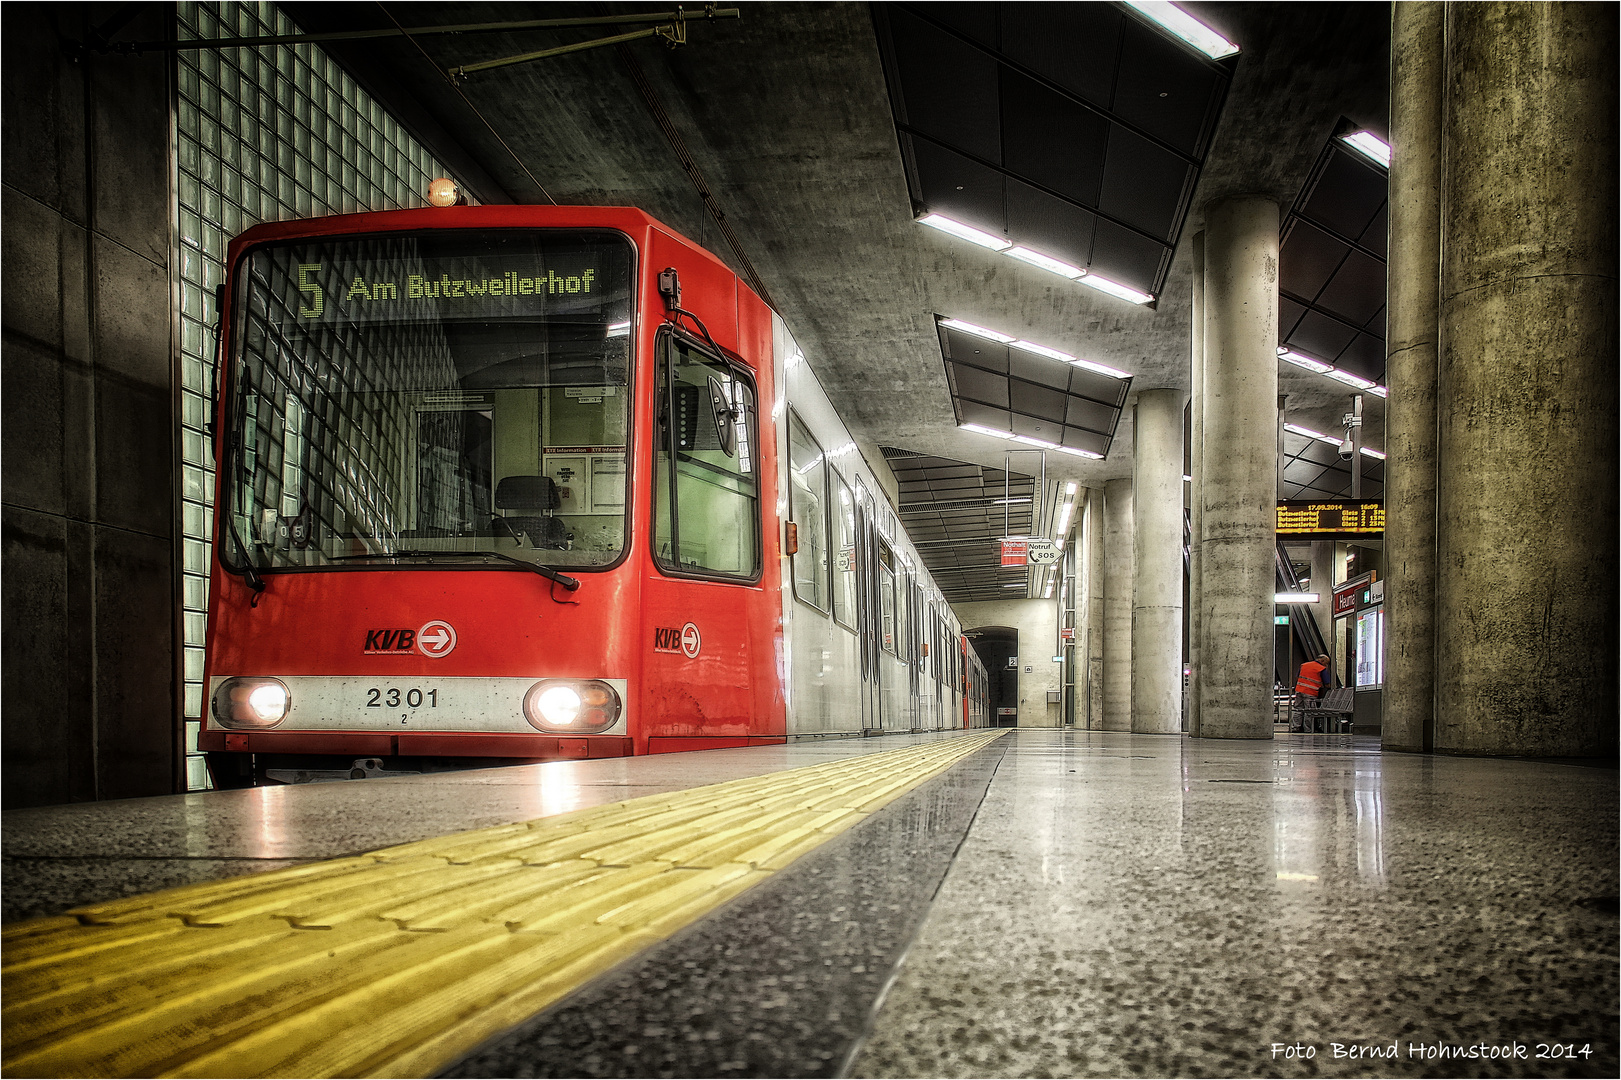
(503, 484)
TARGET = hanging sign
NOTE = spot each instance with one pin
(1015, 552)
(1042, 552)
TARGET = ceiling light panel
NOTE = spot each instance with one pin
(1184, 27)
(1007, 150)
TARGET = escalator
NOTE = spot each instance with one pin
(1302, 623)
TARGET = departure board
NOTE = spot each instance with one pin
(1331, 519)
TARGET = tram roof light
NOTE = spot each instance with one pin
(1115, 288)
(442, 192)
(1046, 262)
(1369, 146)
(964, 232)
(977, 331)
(1184, 26)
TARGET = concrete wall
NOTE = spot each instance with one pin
(87, 462)
(1037, 623)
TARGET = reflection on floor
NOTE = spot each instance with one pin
(1157, 906)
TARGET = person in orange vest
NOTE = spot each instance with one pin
(1313, 674)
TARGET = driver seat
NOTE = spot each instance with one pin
(532, 497)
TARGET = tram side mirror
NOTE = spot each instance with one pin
(720, 404)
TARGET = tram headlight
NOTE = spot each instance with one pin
(571, 706)
(251, 703)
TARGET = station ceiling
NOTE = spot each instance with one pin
(822, 131)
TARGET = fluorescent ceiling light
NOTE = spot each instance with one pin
(992, 432)
(1011, 502)
(1350, 380)
(1069, 488)
(977, 331)
(1014, 585)
(1186, 479)
(1300, 360)
(1043, 443)
(964, 232)
(1046, 262)
(1102, 369)
(1078, 453)
(1369, 146)
(619, 329)
(1042, 350)
(1115, 289)
(1295, 598)
(1310, 434)
(1373, 453)
(1184, 26)
(1379, 391)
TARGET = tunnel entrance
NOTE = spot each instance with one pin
(998, 649)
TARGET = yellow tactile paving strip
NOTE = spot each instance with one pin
(396, 962)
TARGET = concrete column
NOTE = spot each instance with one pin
(1239, 486)
(1094, 609)
(1527, 547)
(1156, 596)
(1195, 507)
(1117, 574)
(1417, 67)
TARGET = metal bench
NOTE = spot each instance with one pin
(1331, 715)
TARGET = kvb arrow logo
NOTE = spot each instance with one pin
(436, 639)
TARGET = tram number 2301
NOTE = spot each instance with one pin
(394, 697)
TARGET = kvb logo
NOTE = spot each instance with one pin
(436, 639)
(668, 639)
(433, 640)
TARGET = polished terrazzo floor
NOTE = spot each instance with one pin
(1157, 906)
(1061, 903)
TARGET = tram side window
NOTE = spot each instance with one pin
(844, 554)
(886, 596)
(707, 512)
(807, 508)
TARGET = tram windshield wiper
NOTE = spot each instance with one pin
(544, 571)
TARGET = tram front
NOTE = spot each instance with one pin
(422, 501)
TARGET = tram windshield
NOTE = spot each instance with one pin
(436, 395)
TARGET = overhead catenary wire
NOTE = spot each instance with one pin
(466, 101)
(690, 167)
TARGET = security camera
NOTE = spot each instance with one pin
(1347, 450)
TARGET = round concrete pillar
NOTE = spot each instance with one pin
(1417, 67)
(1117, 573)
(1527, 547)
(1094, 609)
(1239, 489)
(1196, 470)
(1156, 603)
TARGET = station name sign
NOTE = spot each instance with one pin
(1328, 520)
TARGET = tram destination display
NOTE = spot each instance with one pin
(1328, 520)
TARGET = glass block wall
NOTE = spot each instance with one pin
(263, 134)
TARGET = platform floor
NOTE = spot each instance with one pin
(1058, 903)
